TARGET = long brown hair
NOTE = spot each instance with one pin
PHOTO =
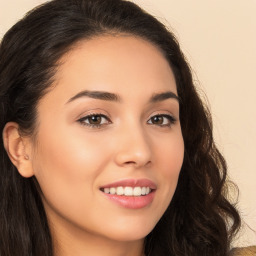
(196, 221)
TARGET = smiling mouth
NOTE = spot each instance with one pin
(130, 193)
(127, 191)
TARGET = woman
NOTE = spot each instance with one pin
(107, 148)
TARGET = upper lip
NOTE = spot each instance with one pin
(131, 183)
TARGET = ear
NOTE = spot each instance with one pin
(18, 149)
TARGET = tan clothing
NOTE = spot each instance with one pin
(245, 251)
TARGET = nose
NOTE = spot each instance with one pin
(133, 148)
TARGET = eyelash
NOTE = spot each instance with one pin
(170, 120)
(83, 119)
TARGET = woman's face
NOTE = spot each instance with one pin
(109, 146)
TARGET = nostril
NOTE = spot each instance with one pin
(130, 162)
(137, 164)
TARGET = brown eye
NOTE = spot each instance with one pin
(94, 120)
(97, 119)
(157, 120)
(162, 120)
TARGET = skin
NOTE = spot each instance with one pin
(71, 160)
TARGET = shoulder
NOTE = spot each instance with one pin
(244, 251)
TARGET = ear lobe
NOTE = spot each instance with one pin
(18, 149)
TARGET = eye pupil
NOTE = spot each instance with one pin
(95, 119)
(157, 120)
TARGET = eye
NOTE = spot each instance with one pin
(162, 120)
(94, 120)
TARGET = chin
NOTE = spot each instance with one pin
(130, 231)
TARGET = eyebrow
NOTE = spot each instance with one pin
(108, 96)
(164, 96)
(99, 95)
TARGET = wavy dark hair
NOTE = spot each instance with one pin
(199, 220)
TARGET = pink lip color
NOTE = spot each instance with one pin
(132, 202)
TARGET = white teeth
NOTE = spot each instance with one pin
(128, 191)
(143, 191)
(112, 191)
(120, 191)
(106, 190)
(137, 191)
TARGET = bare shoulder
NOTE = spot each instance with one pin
(244, 251)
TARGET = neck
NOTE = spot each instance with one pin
(77, 242)
(97, 247)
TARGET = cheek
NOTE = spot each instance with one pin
(68, 153)
(66, 167)
(170, 156)
(169, 162)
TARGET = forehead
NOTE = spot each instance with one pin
(118, 64)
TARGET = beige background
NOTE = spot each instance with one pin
(219, 39)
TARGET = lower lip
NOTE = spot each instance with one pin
(132, 202)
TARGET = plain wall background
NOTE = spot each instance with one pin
(219, 39)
